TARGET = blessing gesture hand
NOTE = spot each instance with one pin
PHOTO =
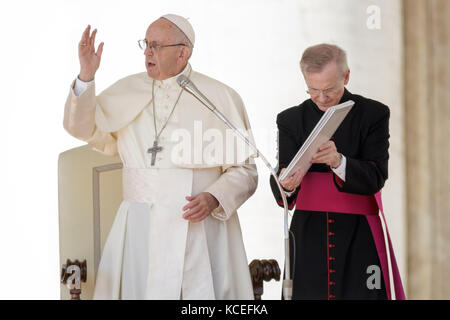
(89, 59)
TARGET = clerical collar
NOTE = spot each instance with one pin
(346, 96)
(172, 81)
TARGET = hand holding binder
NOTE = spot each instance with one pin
(292, 182)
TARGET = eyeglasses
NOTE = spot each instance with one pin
(327, 92)
(154, 46)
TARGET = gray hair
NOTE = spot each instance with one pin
(315, 58)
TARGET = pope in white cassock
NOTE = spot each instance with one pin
(176, 235)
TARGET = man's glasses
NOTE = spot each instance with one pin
(154, 46)
(327, 92)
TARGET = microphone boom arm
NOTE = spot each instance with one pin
(187, 85)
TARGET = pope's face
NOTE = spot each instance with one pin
(326, 87)
(163, 62)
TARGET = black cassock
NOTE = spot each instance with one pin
(333, 251)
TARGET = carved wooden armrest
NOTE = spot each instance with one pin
(260, 271)
(72, 274)
(75, 272)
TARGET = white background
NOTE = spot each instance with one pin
(253, 46)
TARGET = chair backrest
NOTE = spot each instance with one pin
(89, 193)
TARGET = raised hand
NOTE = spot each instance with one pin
(89, 59)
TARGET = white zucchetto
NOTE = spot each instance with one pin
(183, 25)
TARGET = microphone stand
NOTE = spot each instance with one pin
(187, 85)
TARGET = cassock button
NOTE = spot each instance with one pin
(331, 245)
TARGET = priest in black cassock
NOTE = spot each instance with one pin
(334, 254)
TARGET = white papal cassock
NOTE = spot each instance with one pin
(152, 252)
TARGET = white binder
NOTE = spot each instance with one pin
(322, 132)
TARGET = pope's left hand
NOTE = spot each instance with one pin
(328, 154)
(199, 206)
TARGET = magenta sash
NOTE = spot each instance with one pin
(318, 193)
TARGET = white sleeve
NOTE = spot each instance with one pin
(232, 189)
(81, 86)
(340, 170)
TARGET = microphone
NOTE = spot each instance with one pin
(185, 83)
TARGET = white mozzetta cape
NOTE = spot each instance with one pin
(204, 260)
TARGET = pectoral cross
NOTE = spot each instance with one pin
(154, 150)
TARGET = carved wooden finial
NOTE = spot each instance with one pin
(263, 270)
(72, 274)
